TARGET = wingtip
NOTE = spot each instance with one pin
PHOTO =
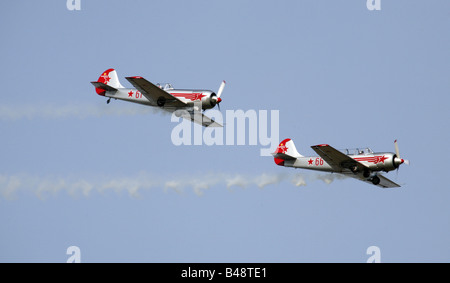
(320, 145)
(214, 125)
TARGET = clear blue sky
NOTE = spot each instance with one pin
(107, 178)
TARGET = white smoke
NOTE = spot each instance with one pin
(329, 178)
(298, 180)
(268, 179)
(17, 112)
(43, 187)
(237, 180)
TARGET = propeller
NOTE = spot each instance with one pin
(215, 98)
(398, 160)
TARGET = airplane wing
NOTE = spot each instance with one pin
(201, 119)
(384, 182)
(337, 160)
(154, 93)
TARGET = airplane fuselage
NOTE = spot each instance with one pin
(375, 162)
(189, 96)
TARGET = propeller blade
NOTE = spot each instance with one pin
(396, 149)
(222, 85)
(397, 152)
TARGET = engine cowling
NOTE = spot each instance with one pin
(384, 161)
(211, 101)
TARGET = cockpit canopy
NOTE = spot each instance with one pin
(356, 151)
(167, 86)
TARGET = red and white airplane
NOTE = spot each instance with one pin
(362, 164)
(165, 97)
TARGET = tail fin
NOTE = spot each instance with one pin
(285, 151)
(108, 78)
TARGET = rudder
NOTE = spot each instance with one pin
(285, 151)
(109, 78)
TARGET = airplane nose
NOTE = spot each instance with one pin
(398, 161)
(214, 100)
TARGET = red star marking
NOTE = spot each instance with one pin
(282, 148)
(197, 96)
(105, 78)
(380, 159)
(130, 94)
(310, 161)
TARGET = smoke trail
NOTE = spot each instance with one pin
(269, 179)
(329, 178)
(12, 113)
(237, 180)
(298, 180)
(43, 187)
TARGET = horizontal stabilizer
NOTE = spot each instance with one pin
(283, 156)
(103, 86)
